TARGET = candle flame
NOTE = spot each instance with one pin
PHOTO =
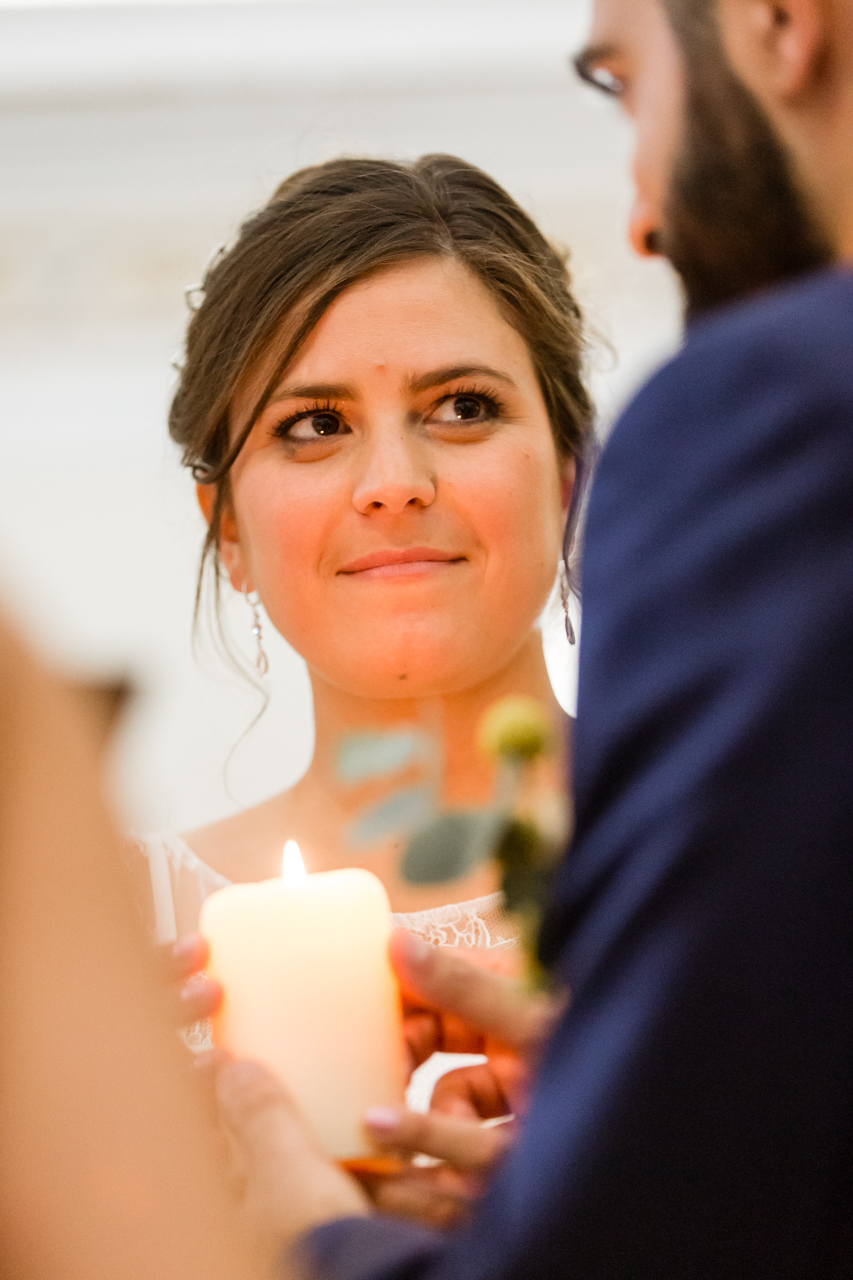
(292, 867)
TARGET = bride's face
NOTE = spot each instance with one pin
(399, 504)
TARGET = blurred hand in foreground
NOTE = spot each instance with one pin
(440, 1191)
(453, 1005)
(450, 1005)
(107, 1166)
(192, 995)
(288, 1185)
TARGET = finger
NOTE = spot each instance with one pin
(471, 1092)
(290, 1184)
(206, 1064)
(479, 999)
(200, 997)
(419, 1200)
(424, 1035)
(464, 1144)
(186, 956)
(248, 1093)
(260, 1117)
(263, 1117)
(209, 1061)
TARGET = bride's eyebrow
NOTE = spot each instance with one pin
(314, 391)
(437, 377)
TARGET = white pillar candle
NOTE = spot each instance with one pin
(309, 991)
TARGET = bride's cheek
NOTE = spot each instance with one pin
(519, 505)
(283, 526)
(524, 537)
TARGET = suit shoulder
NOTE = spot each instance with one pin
(789, 346)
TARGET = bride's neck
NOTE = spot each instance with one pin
(452, 719)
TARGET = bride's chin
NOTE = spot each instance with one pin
(408, 672)
(412, 681)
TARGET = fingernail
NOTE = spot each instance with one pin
(385, 1119)
(184, 947)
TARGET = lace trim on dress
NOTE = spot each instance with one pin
(480, 922)
(180, 882)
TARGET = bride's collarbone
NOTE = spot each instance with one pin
(248, 847)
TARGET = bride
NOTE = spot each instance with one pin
(383, 408)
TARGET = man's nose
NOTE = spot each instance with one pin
(644, 230)
(397, 473)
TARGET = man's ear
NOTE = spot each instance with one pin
(776, 47)
(228, 542)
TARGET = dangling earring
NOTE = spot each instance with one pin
(253, 600)
(564, 596)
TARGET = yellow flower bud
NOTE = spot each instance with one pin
(515, 726)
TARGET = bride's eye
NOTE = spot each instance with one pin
(466, 408)
(316, 424)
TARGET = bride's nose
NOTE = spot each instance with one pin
(395, 473)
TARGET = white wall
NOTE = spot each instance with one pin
(132, 140)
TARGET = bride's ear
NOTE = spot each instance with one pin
(230, 551)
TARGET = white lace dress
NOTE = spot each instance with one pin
(180, 882)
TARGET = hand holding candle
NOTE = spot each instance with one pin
(309, 992)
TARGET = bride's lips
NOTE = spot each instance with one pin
(400, 563)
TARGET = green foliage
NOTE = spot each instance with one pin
(363, 756)
(515, 727)
(445, 846)
(451, 845)
(524, 872)
(399, 814)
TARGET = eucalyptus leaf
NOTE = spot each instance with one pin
(451, 845)
(398, 815)
(524, 878)
(362, 756)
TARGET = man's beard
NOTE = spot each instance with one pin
(735, 220)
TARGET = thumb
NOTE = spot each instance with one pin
(256, 1107)
(442, 980)
(290, 1185)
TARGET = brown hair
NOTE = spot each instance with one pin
(736, 220)
(331, 225)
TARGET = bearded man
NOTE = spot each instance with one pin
(692, 1116)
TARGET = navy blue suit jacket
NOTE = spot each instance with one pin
(693, 1116)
